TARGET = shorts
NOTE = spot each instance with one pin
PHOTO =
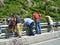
(51, 22)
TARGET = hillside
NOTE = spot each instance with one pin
(25, 8)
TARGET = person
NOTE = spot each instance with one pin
(11, 24)
(29, 23)
(50, 23)
(36, 17)
(18, 24)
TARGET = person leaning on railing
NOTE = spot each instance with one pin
(18, 24)
(50, 23)
(11, 24)
(29, 23)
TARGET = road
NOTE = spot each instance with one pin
(49, 42)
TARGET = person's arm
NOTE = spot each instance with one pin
(46, 16)
(9, 22)
(15, 19)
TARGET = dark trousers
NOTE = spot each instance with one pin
(49, 29)
(30, 31)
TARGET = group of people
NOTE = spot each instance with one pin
(16, 26)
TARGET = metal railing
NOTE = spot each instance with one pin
(3, 23)
(42, 25)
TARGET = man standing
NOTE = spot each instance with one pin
(36, 17)
(18, 24)
(29, 23)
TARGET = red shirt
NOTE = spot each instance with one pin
(36, 16)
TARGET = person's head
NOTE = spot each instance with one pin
(34, 13)
(46, 14)
(12, 14)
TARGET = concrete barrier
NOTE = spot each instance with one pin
(40, 38)
(27, 40)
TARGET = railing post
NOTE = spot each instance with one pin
(5, 21)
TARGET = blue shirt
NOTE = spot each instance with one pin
(28, 21)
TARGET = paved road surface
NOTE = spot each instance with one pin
(49, 42)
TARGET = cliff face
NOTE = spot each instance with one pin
(25, 7)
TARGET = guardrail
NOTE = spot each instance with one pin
(3, 21)
(44, 30)
(4, 25)
(55, 23)
(42, 24)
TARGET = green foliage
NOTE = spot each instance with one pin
(37, 5)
